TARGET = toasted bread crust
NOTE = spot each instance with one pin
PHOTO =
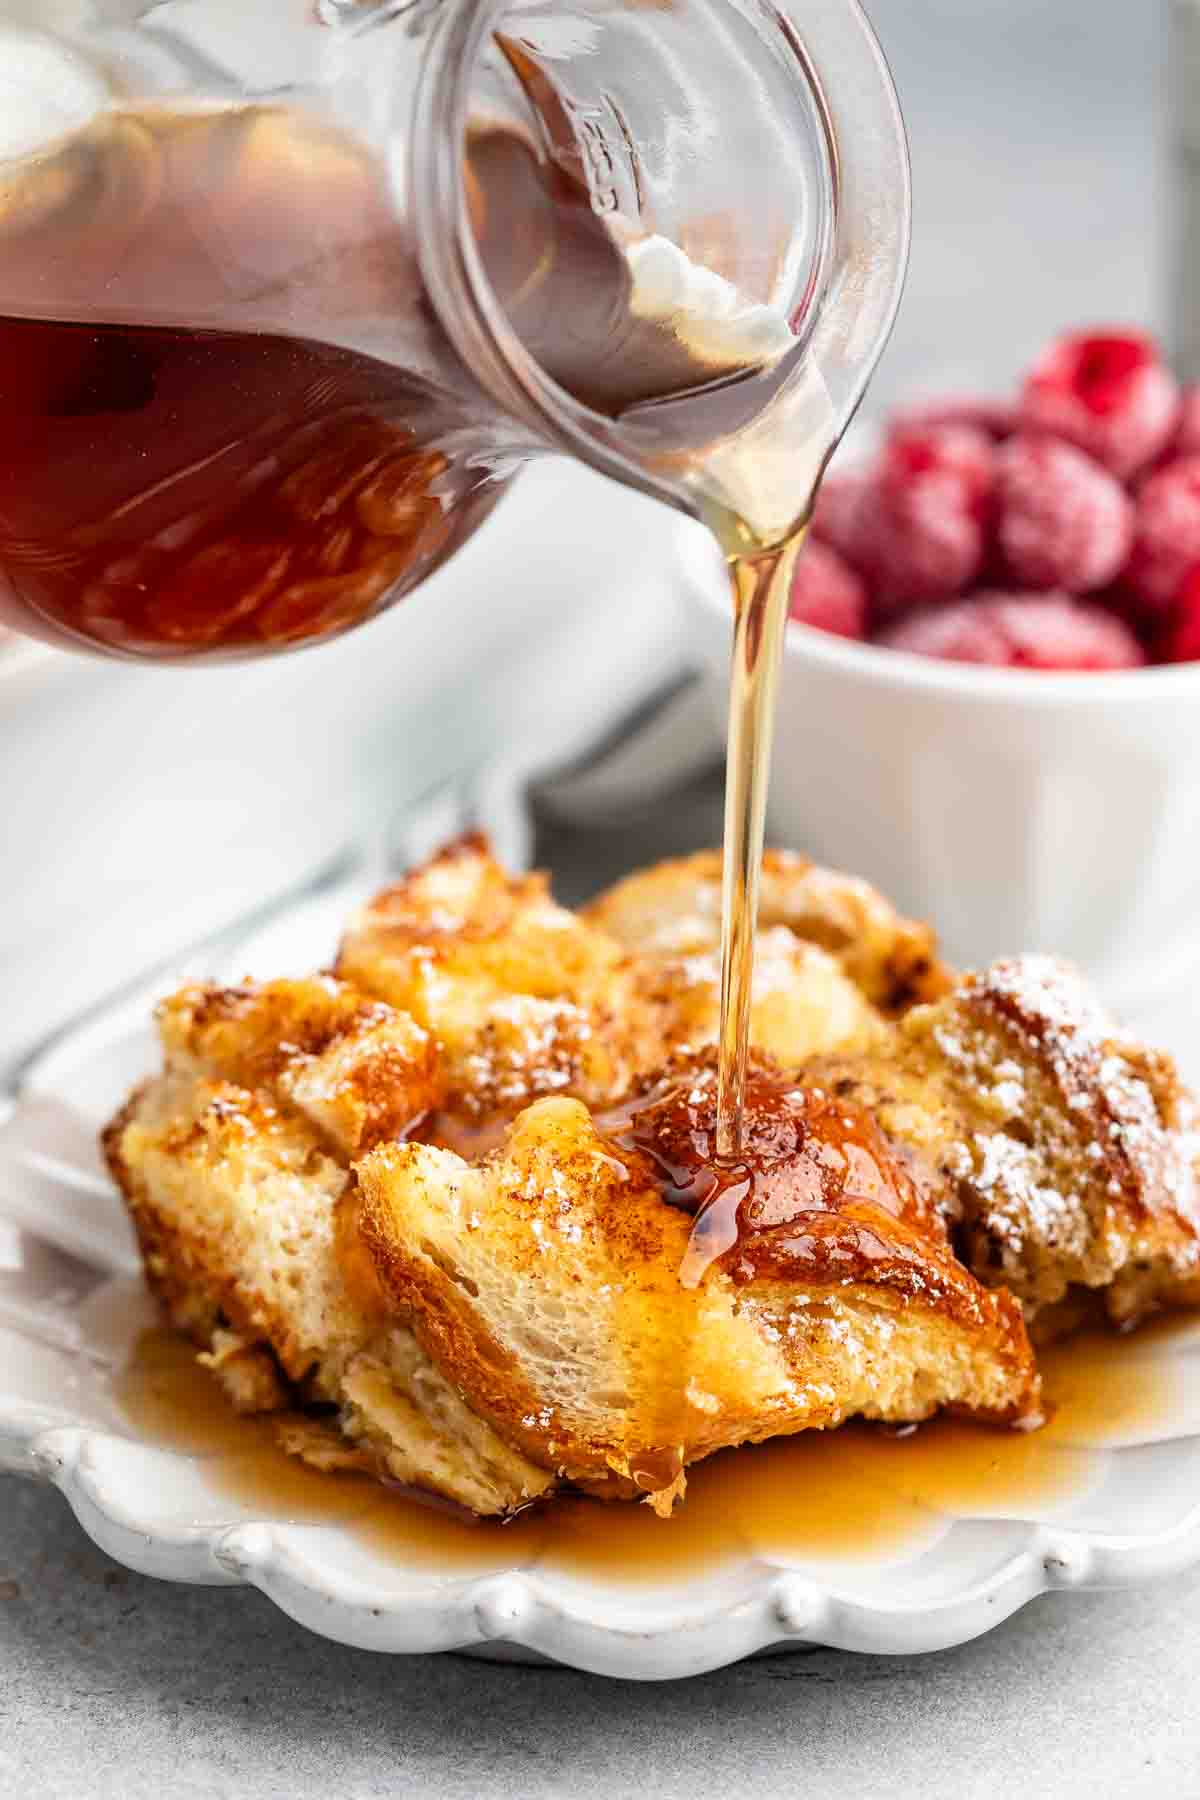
(357, 1070)
(1065, 1151)
(728, 1363)
(953, 1159)
(522, 997)
(239, 1202)
(675, 908)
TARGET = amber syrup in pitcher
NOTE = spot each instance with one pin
(177, 478)
(245, 429)
(175, 493)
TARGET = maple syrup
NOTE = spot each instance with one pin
(761, 591)
(205, 452)
(174, 494)
(815, 1191)
(860, 1494)
(243, 428)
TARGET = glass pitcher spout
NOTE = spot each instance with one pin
(743, 170)
(288, 291)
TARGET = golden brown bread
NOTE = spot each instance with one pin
(672, 912)
(1065, 1151)
(235, 1167)
(549, 1280)
(526, 998)
(522, 997)
(449, 1190)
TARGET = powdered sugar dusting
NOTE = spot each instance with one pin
(1000, 1086)
(1052, 993)
(1085, 1120)
(1018, 1205)
(1093, 1065)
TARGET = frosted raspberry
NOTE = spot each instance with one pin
(915, 526)
(965, 632)
(1055, 632)
(1187, 440)
(1166, 534)
(919, 529)
(838, 515)
(1022, 631)
(922, 541)
(1064, 522)
(827, 593)
(960, 450)
(1181, 641)
(996, 418)
(1109, 393)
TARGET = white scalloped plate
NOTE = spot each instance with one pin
(71, 1306)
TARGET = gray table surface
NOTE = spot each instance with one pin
(116, 1685)
(1036, 152)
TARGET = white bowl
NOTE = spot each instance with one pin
(1014, 809)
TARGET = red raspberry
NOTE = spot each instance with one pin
(996, 418)
(1181, 640)
(914, 527)
(1055, 632)
(1109, 394)
(920, 528)
(827, 593)
(922, 541)
(1187, 441)
(1021, 631)
(962, 633)
(960, 450)
(838, 515)
(1166, 534)
(1064, 521)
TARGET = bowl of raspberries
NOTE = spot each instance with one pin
(990, 697)
(1056, 532)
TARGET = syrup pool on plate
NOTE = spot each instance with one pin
(859, 1494)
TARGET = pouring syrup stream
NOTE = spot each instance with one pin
(761, 584)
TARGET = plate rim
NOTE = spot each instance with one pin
(777, 1609)
(713, 1623)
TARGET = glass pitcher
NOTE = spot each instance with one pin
(289, 289)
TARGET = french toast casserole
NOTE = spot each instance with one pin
(449, 1212)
